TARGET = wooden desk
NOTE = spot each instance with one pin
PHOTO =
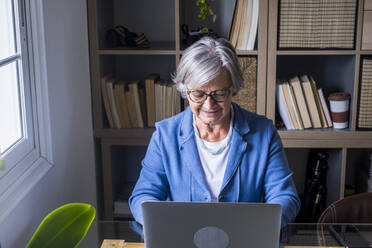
(111, 234)
(112, 243)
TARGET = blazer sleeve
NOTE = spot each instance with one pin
(278, 184)
(152, 184)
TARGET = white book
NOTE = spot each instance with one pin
(283, 109)
(254, 25)
(325, 107)
(245, 31)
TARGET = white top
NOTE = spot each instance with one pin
(213, 157)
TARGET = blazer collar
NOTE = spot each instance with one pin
(189, 151)
(238, 145)
(186, 130)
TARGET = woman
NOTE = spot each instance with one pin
(214, 151)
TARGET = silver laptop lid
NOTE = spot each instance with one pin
(217, 225)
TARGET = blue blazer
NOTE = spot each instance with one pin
(257, 168)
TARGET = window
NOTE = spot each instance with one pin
(23, 102)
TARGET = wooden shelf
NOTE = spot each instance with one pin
(240, 52)
(136, 52)
(141, 136)
(327, 133)
(157, 48)
(335, 68)
(316, 52)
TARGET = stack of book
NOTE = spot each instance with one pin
(317, 24)
(139, 103)
(365, 100)
(243, 29)
(302, 105)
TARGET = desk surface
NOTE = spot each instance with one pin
(293, 235)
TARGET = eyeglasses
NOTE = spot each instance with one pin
(199, 96)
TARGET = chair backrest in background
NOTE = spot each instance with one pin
(353, 209)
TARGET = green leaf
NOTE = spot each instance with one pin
(2, 164)
(65, 227)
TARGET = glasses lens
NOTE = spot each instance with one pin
(220, 95)
(197, 95)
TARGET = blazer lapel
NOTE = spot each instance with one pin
(188, 150)
(238, 145)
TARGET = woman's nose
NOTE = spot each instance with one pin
(209, 102)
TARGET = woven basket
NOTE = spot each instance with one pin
(317, 24)
(365, 102)
(247, 96)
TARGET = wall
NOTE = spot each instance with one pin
(72, 179)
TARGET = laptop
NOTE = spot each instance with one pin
(211, 225)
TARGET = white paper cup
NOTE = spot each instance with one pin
(339, 105)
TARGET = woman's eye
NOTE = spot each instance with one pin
(198, 93)
(219, 93)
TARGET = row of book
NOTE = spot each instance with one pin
(302, 105)
(243, 29)
(138, 103)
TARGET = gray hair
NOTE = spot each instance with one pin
(203, 61)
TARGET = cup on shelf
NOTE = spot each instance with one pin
(339, 105)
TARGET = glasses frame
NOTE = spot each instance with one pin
(211, 94)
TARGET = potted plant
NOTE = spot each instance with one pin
(65, 227)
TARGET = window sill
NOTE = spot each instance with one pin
(22, 186)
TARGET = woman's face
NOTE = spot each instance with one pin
(211, 112)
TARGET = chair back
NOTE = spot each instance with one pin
(353, 209)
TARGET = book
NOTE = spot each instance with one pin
(105, 99)
(168, 101)
(134, 103)
(310, 102)
(111, 98)
(245, 25)
(131, 110)
(158, 101)
(254, 24)
(142, 100)
(295, 107)
(301, 103)
(121, 103)
(290, 107)
(283, 108)
(176, 101)
(325, 107)
(318, 103)
(234, 31)
(163, 99)
(150, 98)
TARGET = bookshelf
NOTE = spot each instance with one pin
(119, 151)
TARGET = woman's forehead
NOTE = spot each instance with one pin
(220, 82)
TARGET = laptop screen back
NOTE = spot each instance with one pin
(217, 225)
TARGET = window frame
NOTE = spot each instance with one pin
(26, 143)
(34, 165)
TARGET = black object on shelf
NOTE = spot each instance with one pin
(315, 194)
(121, 36)
(192, 36)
